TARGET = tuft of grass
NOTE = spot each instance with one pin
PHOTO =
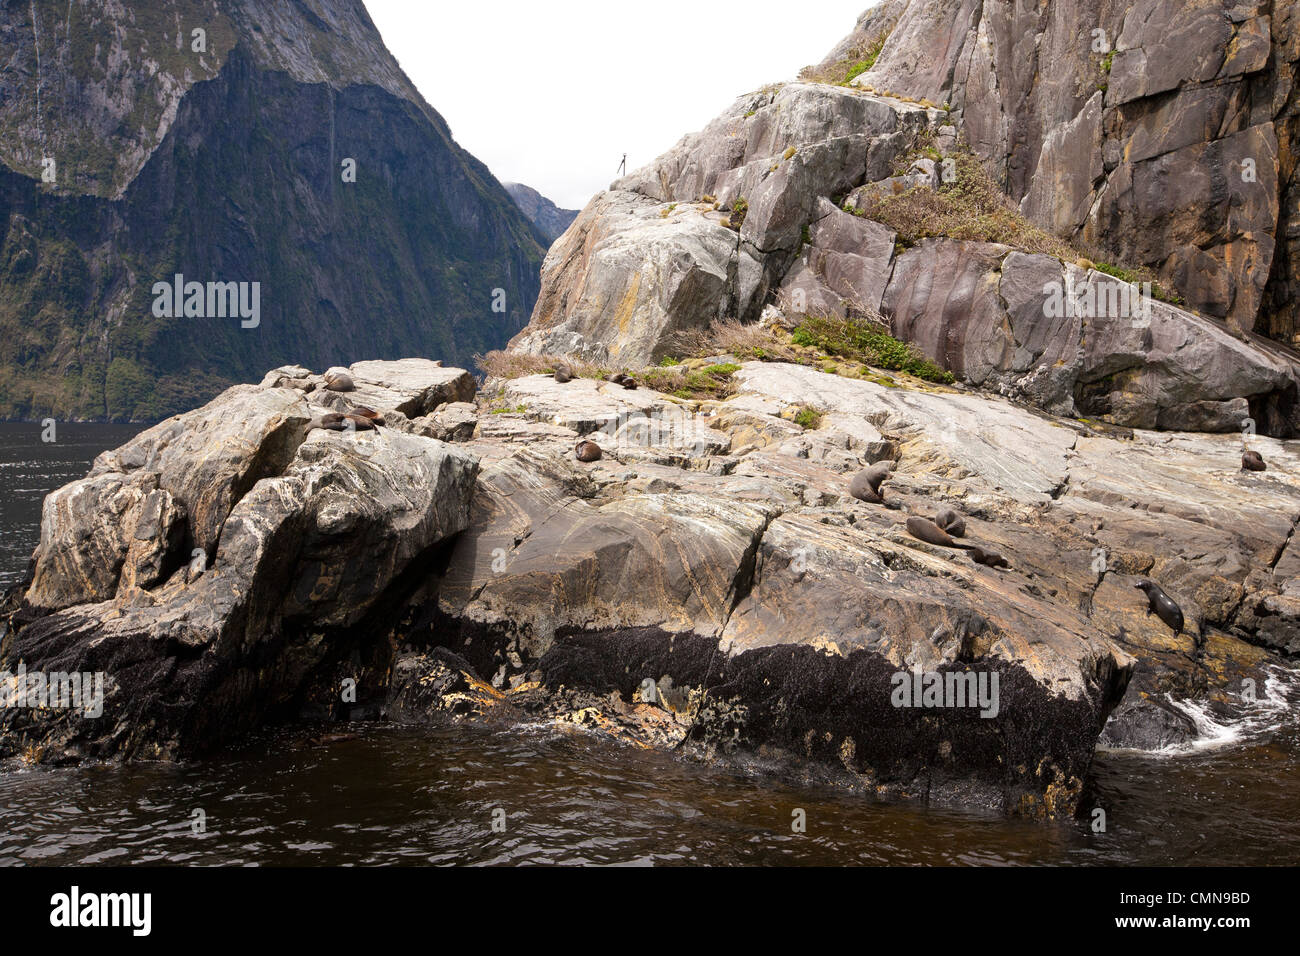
(807, 417)
(1137, 277)
(867, 343)
(733, 337)
(739, 210)
(844, 72)
(790, 153)
(711, 382)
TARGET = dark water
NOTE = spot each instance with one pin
(394, 795)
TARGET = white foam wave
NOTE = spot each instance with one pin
(1268, 712)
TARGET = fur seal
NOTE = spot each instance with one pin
(337, 380)
(587, 451)
(990, 559)
(950, 521)
(333, 422)
(865, 488)
(1253, 461)
(865, 485)
(563, 373)
(337, 422)
(929, 532)
(1162, 605)
(368, 413)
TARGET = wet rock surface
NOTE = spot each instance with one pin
(708, 586)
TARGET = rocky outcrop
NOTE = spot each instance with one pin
(550, 219)
(236, 141)
(710, 228)
(708, 585)
(760, 209)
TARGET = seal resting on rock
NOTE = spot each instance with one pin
(929, 532)
(563, 373)
(1253, 461)
(1162, 605)
(621, 378)
(950, 521)
(337, 380)
(336, 422)
(367, 413)
(587, 451)
(990, 559)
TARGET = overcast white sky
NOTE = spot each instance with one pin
(552, 93)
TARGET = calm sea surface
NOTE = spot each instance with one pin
(395, 795)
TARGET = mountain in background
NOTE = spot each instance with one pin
(217, 139)
(549, 218)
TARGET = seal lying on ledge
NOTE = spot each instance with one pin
(563, 373)
(926, 530)
(929, 532)
(1253, 461)
(351, 421)
(990, 559)
(336, 380)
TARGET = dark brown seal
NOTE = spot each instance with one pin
(337, 381)
(865, 485)
(990, 559)
(368, 413)
(337, 422)
(1253, 461)
(865, 489)
(563, 373)
(1162, 605)
(950, 521)
(929, 532)
(587, 451)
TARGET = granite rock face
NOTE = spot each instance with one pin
(759, 209)
(710, 229)
(708, 585)
(1162, 131)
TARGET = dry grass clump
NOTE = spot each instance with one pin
(733, 337)
(971, 207)
(511, 365)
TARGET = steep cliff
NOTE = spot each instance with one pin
(1162, 131)
(1001, 233)
(231, 141)
(549, 218)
